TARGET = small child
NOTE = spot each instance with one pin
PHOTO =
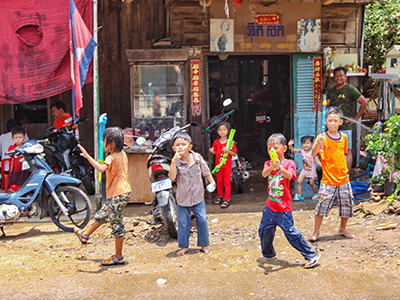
(332, 146)
(187, 167)
(309, 169)
(224, 175)
(19, 168)
(118, 192)
(278, 209)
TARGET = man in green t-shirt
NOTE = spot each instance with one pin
(346, 96)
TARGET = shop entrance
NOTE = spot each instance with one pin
(257, 85)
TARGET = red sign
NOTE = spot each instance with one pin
(195, 86)
(317, 83)
(268, 19)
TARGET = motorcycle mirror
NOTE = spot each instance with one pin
(227, 102)
(140, 140)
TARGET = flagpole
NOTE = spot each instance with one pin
(96, 105)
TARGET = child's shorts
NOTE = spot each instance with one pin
(112, 211)
(328, 195)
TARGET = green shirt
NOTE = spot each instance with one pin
(346, 99)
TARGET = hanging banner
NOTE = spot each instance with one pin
(317, 83)
(195, 86)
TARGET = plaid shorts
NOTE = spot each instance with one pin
(327, 196)
(112, 211)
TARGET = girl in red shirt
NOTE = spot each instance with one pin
(224, 175)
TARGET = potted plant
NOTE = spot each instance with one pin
(385, 141)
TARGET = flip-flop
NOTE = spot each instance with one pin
(225, 204)
(113, 261)
(312, 262)
(217, 201)
(81, 237)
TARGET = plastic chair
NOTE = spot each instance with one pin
(5, 175)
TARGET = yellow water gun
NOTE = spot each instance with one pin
(273, 155)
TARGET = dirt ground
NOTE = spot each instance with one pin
(38, 261)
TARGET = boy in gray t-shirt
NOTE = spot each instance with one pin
(187, 168)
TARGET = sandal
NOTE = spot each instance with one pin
(81, 237)
(225, 204)
(217, 201)
(113, 261)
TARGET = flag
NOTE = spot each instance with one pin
(82, 45)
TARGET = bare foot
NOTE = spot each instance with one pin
(314, 237)
(205, 250)
(264, 259)
(182, 251)
(346, 234)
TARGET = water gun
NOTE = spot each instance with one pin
(102, 127)
(323, 119)
(224, 158)
(273, 155)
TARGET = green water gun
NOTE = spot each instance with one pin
(224, 158)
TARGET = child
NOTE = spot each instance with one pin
(332, 148)
(224, 175)
(118, 192)
(278, 209)
(309, 169)
(19, 168)
(187, 167)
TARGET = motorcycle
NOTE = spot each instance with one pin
(262, 120)
(239, 164)
(56, 195)
(63, 155)
(158, 165)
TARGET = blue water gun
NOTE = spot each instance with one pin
(102, 127)
(323, 119)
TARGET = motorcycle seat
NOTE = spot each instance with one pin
(4, 197)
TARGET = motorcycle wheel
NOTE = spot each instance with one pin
(78, 205)
(170, 216)
(237, 183)
(88, 184)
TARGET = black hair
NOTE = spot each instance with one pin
(338, 69)
(226, 124)
(183, 136)
(114, 135)
(12, 123)
(17, 130)
(58, 105)
(277, 138)
(307, 138)
(334, 110)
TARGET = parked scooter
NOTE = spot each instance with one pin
(57, 195)
(158, 165)
(239, 164)
(63, 155)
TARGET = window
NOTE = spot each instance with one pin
(158, 98)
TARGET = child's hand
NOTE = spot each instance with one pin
(212, 151)
(225, 150)
(291, 142)
(84, 153)
(177, 156)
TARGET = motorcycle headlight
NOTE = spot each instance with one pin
(34, 149)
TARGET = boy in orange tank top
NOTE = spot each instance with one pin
(118, 192)
(332, 146)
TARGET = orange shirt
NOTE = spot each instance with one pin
(64, 120)
(333, 160)
(117, 174)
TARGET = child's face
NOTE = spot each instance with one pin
(307, 145)
(108, 147)
(18, 139)
(182, 146)
(333, 122)
(222, 131)
(279, 148)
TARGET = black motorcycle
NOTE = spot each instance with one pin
(63, 155)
